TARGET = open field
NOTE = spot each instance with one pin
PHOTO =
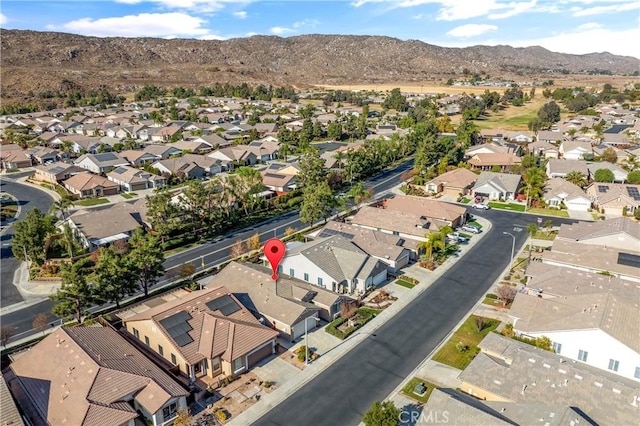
(429, 87)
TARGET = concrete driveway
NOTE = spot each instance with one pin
(276, 370)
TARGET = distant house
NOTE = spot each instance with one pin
(264, 151)
(215, 141)
(520, 137)
(211, 166)
(43, 154)
(99, 378)
(334, 263)
(544, 149)
(489, 161)
(559, 192)
(496, 186)
(619, 174)
(162, 151)
(89, 185)
(549, 136)
(194, 147)
(205, 333)
(138, 157)
(561, 168)
(452, 215)
(179, 167)
(101, 163)
(13, 157)
(234, 156)
(493, 148)
(456, 182)
(56, 173)
(131, 179)
(575, 150)
(615, 199)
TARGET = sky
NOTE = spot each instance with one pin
(568, 26)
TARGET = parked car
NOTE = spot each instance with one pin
(481, 206)
(457, 238)
(472, 229)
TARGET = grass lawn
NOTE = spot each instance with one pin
(507, 206)
(410, 386)
(490, 299)
(513, 117)
(406, 284)
(550, 212)
(126, 195)
(474, 223)
(91, 202)
(542, 235)
(9, 209)
(467, 236)
(62, 191)
(469, 336)
(465, 200)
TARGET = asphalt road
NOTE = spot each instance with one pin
(28, 198)
(373, 369)
(212, 253)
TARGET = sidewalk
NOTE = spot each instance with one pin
(426, 278)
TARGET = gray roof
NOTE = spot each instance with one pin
(580, 231)
(561, 166)
(505, 181)
(116, 219)
(104, 159)
(505, 367)
(375, 243)
(556, 186)
(9, 414)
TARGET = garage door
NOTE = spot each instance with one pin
(380, 278)
(258, 355)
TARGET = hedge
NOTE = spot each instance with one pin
(367, 314)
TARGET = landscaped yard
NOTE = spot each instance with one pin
(9, 208)
(474, 223)
(550, 212)
(507, 206)
(542, 235)
(411, 385)
(459, 351)
(490, 299)
(91, 202)
(126, 195)
(465, 200)
(343, 328)
(404, 283)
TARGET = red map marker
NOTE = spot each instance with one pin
(274, 249)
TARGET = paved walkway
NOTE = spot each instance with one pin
(317, 367)
(573, 214)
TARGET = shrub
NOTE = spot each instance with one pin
(408, 279)
(222, 415)
(461, 347)
(267, 384)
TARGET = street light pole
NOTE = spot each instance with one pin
(513, 247)
(306, 339)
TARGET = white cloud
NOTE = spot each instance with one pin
(590, 26)
(142, 25)
(514, 9)
(240, 14)
(471, 30)
(212, 37)
(281, 30)
(203, 6)
(295, 27)
(600, 10)
(3, 19)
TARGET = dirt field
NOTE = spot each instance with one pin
(415, 88)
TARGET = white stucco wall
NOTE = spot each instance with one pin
(302, 265)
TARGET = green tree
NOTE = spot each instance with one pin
(30, 235)
(162, 213)
(334, 131)
(395, 100)
(146, 258)
(634, 177)
(63, 205)
(434, 242)
(609, 155)
(358, 193)
(534, 182)
(245, 185)
(312, 170)
(603, 175)
(115, 278)
(382, 414)
(317, 203)
(631, 163)
(75, 294)
(549, 113)
(577, 178)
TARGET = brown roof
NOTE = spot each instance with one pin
(424, 207)
(212, 332)
(118, 218)
(85, 181)
(390, 220)
(95, 370)
(580, 231)
(494, 159)
(458, 178)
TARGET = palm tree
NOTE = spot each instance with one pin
(534, 179)
(577, 178)
(631, 163)
(69, 238)
(358, 193)
(63, 205)
(434, 241)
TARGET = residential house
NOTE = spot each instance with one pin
(214, 140)
(211, 166)
(56, 173)
(164, 134)
(9, 413)
(506, 370)
(162, 151)
(131, 179)
(621, 232)
(138, 157)
(97, 228)
(520, 137)
(266, 128)
(619, 174)
(454, 183)
(496, 186)
(560, 193)
(278, 182)
(588, 317)
(97, 378)
(334, 263)
(424, 208)
(194, 147)
(491, 161)
(493, 148)
(492, 135)
(264, 151)
(13, 157)
(101, 163)
(44, 155)
(234, 156)
(615, 262)
(544, 149)
(386, 247)
(205, 333)
(575, 150)
(283, 304)
(549, 137)
(561, 168)
(614, 199)
(180, 168)
(89, 185)
(83, 144)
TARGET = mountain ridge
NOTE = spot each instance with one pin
(40, 61)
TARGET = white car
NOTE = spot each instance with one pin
(481, 206)
(470, 228)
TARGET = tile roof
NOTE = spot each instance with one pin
(9, 414)
(116, 219)
(522, 373)
(581, 231)
(494, 159)
(557, 186)
(614, 192)
(458, 178)
(562, 166)
(87, 180)
(397, 221)
(212, 332)
(95, 369)
(424, 207)
(503, 181)
(375, 243)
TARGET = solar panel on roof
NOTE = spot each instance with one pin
(633, 193)
(603, 188)
(178, 328)
(333, 232)
(273, 175)
(628, 259)
(225, 304)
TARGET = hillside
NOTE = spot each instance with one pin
(40, 61)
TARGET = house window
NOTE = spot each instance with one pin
(557, 347)
(613, 365)
(637, 373)
(320, 282)
(161, 350)
(136, 333)
(174, 361)
(238, 364)
(170, 411)
(292, 273)
(215, 364)
(306, 276)
(582, 355)
(146, 340)
(279, 269)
